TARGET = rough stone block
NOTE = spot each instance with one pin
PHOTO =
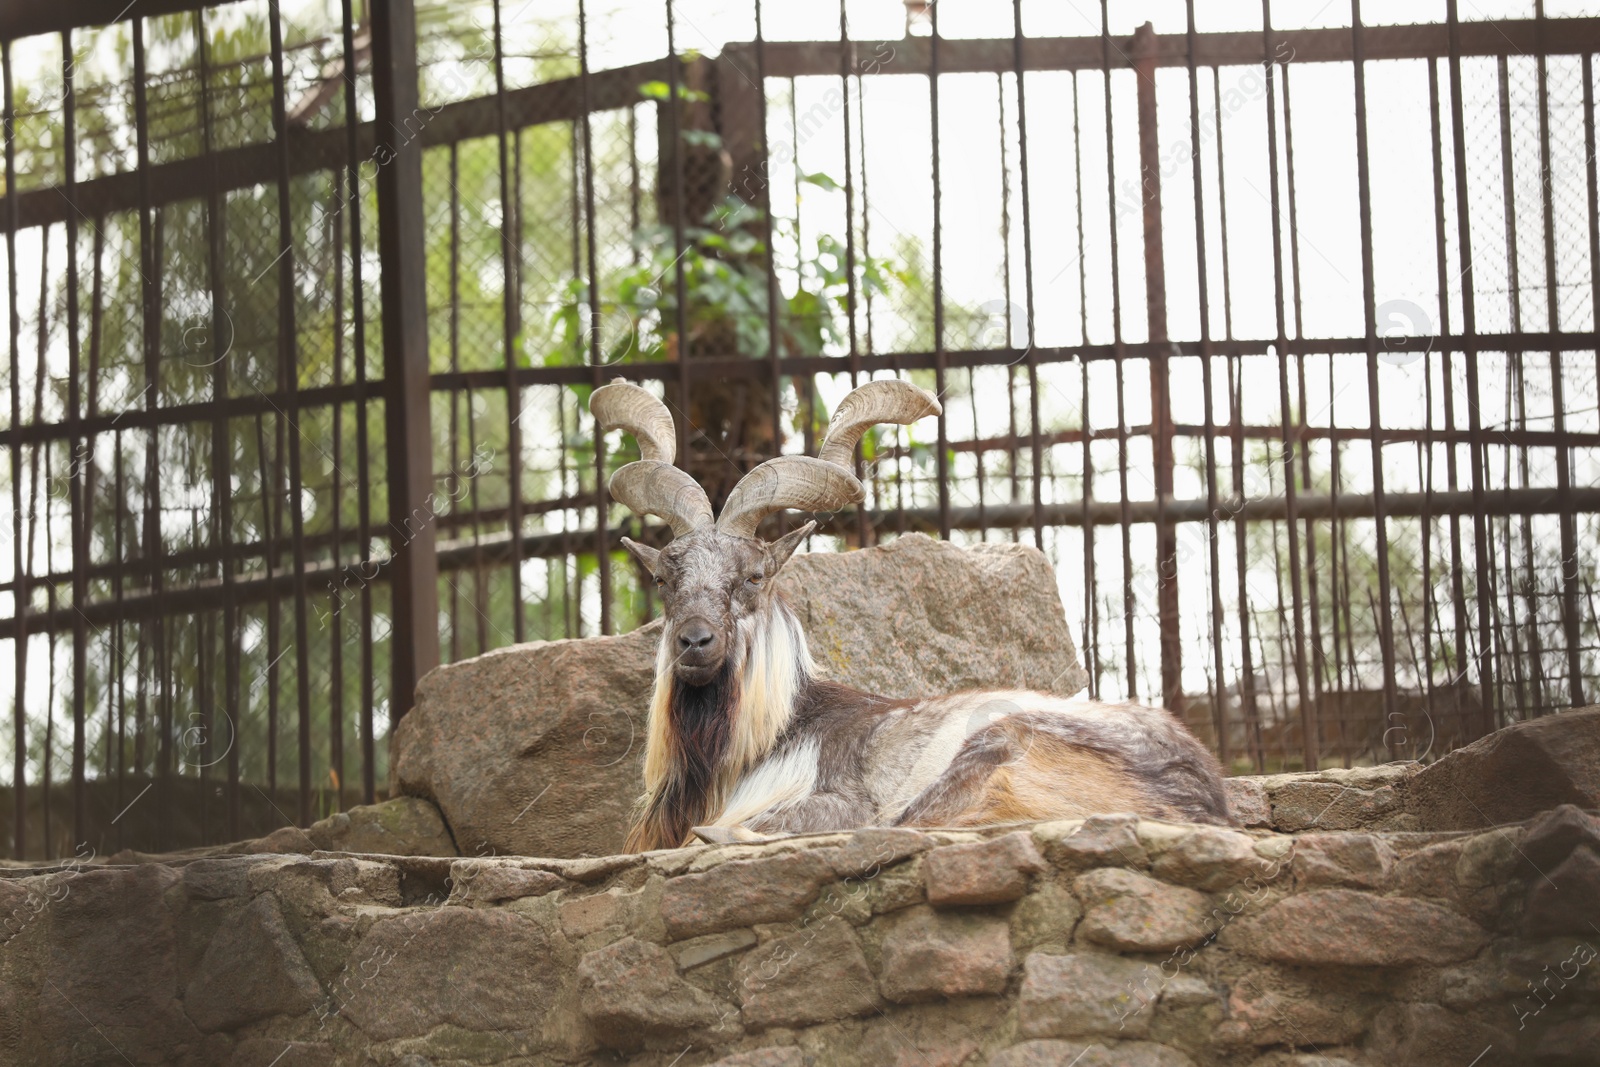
(1210, 858)
(814, 974)
(986, 872)
(401, 826)
(1098, 841)
(742, 893)
(1567, 901)
(1076, 1054)
(1300, 804)
(1512, 774)
(630, 993)
(1247, 802)
(1046, 916)
(701, 950)
(777, 1056)
(874, 850)
(1426, 1035)
(252, 969)
(110, 955)
(273, 1052)
(1552, 836)
(1135, 913)
(409, 973)
(927, 954)
(1082, 995)
(1340, 926)
(1358, 860)
(1428, 872)
(491, 883)
(1269, 1007)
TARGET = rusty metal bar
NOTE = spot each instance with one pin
(1167, 541)
(1369, 303)
(414, 648)
(602, 500)
(940, 365)
(1469, 351)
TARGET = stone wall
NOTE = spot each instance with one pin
(1111, 941)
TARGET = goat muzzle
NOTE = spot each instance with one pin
(699, 649)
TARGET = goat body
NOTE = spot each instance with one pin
(816, 755)
(742, 732)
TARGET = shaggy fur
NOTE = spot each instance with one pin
(769, 747)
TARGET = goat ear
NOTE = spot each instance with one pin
(779, 551)
(646, 555)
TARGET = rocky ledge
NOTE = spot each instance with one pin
(1109, 941)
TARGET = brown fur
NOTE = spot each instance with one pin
(1053, 779)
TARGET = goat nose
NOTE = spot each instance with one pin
(695, 635)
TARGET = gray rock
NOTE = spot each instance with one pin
(1083, 995)
(1511, 775)
(111, 956)
(273, 1052)
(1212, 859)
(743, 892)
(1133, 912)
(536, 749)
(984, 872)
(252, 969)
(1078, 1054)
(814, 974)
(928, 955)
(403, 826)
(777, 1056)
(630, 993)
(479, 969)
(1344, 927)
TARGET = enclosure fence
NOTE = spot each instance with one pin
(1278, 339)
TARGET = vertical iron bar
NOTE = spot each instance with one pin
(79, 458)
(1143, 55)
(289, 382)
(1120, 353)
(1567, 519)
(939, 355)
(1027, 273)
(221, 440)
(19, 577)
(414, 648)
(359, 346)
(1309, 709)
(1469, 331)
(602, 497)
(1207, 390)
(1091, 602)
(150, 548)
(1447, 373)
(1380, 509)
(846, 54)
(510, 216)
(680, 317)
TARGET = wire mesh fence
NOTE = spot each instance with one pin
(1274, 330)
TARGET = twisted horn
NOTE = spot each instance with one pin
(798, 482)
(652, 485)
(828, 482)
(624, 406)
(889, 400)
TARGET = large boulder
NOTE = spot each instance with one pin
(536, 749)
(1511, 775)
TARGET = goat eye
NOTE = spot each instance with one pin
(754, 579)
(661, 583)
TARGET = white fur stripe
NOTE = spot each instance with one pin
(775, 784)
